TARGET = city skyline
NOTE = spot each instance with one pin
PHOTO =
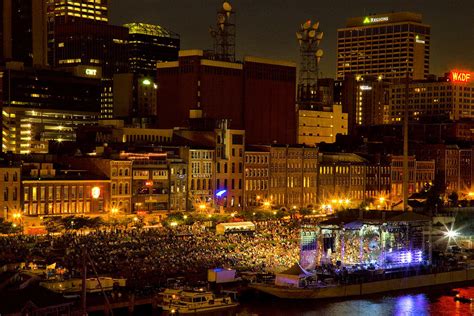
(450, 47)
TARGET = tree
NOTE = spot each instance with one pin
(453, 199)
(8, 227)
(53, 224)
(304, 211)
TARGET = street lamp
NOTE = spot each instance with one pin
(202, 206)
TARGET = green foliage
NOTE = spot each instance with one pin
(9, 227)
(305, 211)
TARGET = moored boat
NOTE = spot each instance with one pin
(190, 302)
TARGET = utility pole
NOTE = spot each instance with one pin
(405, 142)
(84, 277)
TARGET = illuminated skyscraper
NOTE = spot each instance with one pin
(65, 11)
(149, 44)
(384, 44)
(23, 31)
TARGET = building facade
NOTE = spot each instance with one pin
(201, 178)
(10, 187)
(445, 97)
(257, 95)
(321, 126)
(293, 176)
(341, 180)
(47, 191)
(380, 44)
(420, 174)
(256, 177)
(229, 165)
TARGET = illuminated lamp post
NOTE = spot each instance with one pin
(17, 217)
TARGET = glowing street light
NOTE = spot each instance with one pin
(451, 234)
(185, 216)
(135, 219)
(114, 210)
(202, 206)
(173, 224)
(266, 203)
(16, 216)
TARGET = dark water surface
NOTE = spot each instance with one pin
(426, 301)
(429, 301)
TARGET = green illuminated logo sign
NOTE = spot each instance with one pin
(368, 20)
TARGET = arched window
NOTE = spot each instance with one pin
(113, 188)
(126, 188)
(120, 188)
(126, 172)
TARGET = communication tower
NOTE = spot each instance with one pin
(309, 37)
(224, 33)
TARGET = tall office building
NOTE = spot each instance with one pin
(384, 44)
(92, 44)
(24, 31)
(149, 44)
(39, 106)
(365, 99)
(65, 11)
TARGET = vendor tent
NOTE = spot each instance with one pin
(238, 227)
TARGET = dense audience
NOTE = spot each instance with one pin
(152, 255)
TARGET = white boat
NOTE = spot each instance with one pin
(169, 295)
(191, 302)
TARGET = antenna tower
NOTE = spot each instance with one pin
(224, 33)
(309, 37)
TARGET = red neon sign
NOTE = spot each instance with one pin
(460, 76)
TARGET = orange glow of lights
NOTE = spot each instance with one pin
(95, 192)
(461, 76)
(149, 183)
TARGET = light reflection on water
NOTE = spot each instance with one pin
(416, 303)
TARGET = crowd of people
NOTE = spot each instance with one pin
(153, 255)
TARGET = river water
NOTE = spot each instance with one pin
(427, 301)
(431, 301)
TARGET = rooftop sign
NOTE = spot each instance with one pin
(461, 76)
(369, 20)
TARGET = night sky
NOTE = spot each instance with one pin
(267, 28)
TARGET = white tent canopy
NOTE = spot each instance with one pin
(223, 228)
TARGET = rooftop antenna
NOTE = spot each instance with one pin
(309, 37)
(223, 33)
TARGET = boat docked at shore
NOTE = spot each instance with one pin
(190, 302)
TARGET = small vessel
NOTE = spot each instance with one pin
(167, 296)
(462, 299)
(191, 302)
